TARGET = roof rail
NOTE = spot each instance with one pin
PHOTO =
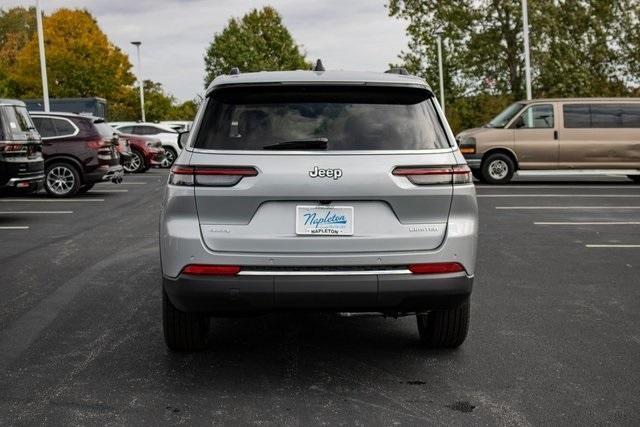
(398, 70)
(234, 71)
(319, 66)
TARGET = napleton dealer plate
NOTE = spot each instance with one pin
(324, 220)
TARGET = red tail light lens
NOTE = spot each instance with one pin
(418, 175)
(96, 144)
(436, 268)
(211, 270)
(217, 176)
(13, 148)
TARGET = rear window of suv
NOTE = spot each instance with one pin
(347, 118)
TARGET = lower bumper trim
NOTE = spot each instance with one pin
(246, 294)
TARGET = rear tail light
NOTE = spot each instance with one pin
(436, 268)
(13, 148)
(98, 143)
(211, 270)
(459, 174)
(217, 176)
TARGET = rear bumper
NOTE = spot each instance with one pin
(114, 173)
(33, 182)
(473, 160)
(392, 294)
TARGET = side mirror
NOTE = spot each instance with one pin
(183, 137)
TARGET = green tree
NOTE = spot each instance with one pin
(17, 26)
(578, 48)
(258, 41)
(158, 105)
(80, 60)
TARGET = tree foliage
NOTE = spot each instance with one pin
(258, 41)
(80, 59)
(578, 48)
(81, 62)
(17, 26)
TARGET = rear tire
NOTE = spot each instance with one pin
(183, 331)
(498, 168)
(634, 178)
(86, 188)
(135, 164)
(444, 328)
(61, 180)
(477, 174)
(170, 154)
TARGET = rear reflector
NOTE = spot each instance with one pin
(458, 174)
(216, 176)
(211, 270)
(436, 268)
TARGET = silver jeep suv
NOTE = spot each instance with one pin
(327, 191)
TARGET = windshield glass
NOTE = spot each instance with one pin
(505, 117)
(16, 123)
(348, 118)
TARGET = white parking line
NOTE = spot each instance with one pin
(566, 207)
(631, 196)
(35, 212)
(612, 246)
(51, 200)
(14, 227)
(589, 223)
(98, 190)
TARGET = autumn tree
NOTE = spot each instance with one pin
(258, 41)
(81, 61)
(17, 26)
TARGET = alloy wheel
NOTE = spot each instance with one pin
(61, 180)
(133, 163)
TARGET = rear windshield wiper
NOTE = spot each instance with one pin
(293, 144)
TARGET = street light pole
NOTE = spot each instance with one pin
(43, 60)
(441, 71)
(525, 36)
(137, 45)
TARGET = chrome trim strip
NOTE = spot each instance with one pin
(322, 273)
(14, 181)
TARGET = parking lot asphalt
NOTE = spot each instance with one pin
(554, 337)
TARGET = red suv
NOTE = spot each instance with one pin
(145, 152)
(78, 152)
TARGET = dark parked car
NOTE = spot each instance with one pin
(78, 152)
(21, 163)
(145, 152)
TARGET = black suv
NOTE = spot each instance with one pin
(21, 164)
(78, 152)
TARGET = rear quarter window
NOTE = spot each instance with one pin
(349, 118)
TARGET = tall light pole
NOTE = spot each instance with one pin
(525, 36)
(137, 45)
(43, 60)
(440, 71)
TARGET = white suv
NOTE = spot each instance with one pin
(167, 135)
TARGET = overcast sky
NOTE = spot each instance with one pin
(346, 34)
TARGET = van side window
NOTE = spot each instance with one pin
(536, 117)
(601, 115)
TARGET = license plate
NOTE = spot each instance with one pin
(324, 220)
